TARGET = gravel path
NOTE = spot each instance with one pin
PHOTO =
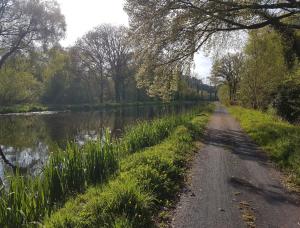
(233, 184)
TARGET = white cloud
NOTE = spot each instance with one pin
(82, 16)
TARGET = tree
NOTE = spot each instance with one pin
(159, 81)
(228, 70)
(18, 84)
(179, 28)
(91, 53)
(223, 94)
(117, 55)
(264, 69)
(26, 23)
(105, 53)
(287, 100)
(56, 75)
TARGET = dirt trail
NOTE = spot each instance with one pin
(233, 185)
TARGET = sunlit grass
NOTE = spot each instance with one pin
(278, 138)
(23, 108)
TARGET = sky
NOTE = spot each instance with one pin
(82, 16)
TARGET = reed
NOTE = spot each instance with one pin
(101, 159)
(27, 200)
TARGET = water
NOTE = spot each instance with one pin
(27, 140)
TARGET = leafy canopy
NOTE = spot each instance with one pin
(26, 24)
(179, 28)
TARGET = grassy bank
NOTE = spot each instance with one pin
(148, 180)
(278, 138)
(75, 170)
(79, 107)
(23, 108)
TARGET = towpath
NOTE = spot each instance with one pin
(232, 184)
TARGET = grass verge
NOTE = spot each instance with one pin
(147, 181)
(278, 138)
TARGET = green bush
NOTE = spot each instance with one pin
(287, 100)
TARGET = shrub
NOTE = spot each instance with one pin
(287, 101)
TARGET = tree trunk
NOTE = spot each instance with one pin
(117, 90)
(101, 87)
(123, 91)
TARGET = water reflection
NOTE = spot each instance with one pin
(27, 140)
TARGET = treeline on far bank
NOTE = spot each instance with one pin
(100, 68)
(265, 75)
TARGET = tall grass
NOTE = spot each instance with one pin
(145, 134)
(67, 173)
(25, 203)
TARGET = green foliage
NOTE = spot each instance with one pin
(264, 69)
(269, 73)
(174, 31)
(26, 202)
(148, 179)
(56, 76)
(227, 70)
(159, 81)
(26, 25)
(223, 94)
(278, 138)
(287, 100)
(22, 108)
(91, 72)
(18, 86)
(103, 207)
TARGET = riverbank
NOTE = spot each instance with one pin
(148, 180)
(31, 108)
(76, 171)
(278, 138)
